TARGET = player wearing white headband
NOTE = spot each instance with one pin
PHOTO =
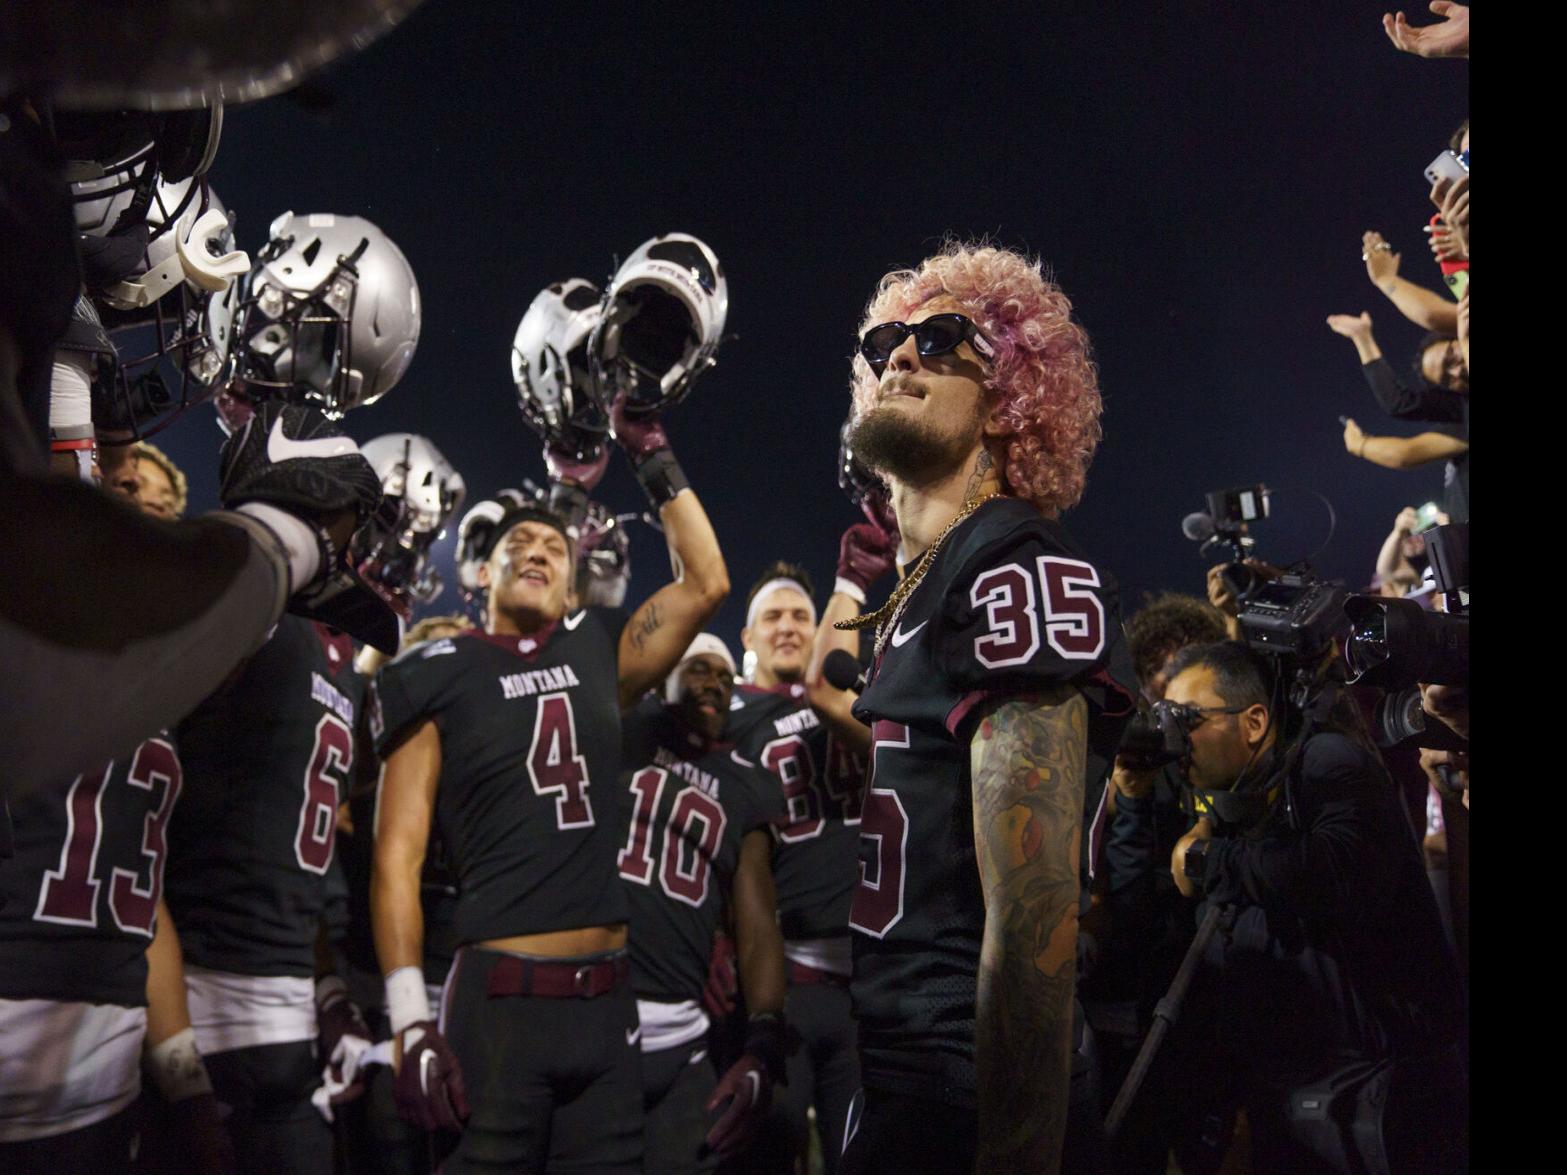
(815, 861)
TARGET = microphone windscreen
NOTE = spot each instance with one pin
(1197, 527)
(840, 669)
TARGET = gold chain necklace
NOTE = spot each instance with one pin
(887, 616)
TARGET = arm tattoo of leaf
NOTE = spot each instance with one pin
(645, 624)
(1027, 759)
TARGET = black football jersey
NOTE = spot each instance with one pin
(79, 897)
(530, 754)
(686, 804)
(1009, 605)
(817, 841)
(267, 760)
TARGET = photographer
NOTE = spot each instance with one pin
(1328, 1004)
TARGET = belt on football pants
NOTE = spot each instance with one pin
(801, 975)
(513, 975)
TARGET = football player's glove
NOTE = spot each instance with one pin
(429, 1089)
(652, 460)
(291, 458)
(865, 554)
(342, 1037)
(741, 1100)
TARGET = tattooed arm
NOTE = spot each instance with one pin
(1027, 761)
(659, 631)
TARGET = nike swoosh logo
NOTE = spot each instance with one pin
(697, 1057)
(571, 622)
(426, 1059)
(280, 448)
(900, 638)
(633, 1034)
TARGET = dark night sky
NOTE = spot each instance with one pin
(1198, 177)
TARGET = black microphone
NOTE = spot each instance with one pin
(842, 671)
(1197, 527)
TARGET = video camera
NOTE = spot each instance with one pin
(1397, 644)
(1226, 524)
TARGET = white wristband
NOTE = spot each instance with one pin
(176, 1067)
(304, 553)
(406, 1000)
(847, 587)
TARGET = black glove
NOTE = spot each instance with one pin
(292, 458)
(429, 1090)
(295, 459)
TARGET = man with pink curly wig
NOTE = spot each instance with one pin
(996, 701)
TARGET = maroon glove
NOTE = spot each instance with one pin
(722, 986)
(338, 1016)
(641, 436)
(744, 1092)
(865, 554)
(565, 467)
(429, 1090)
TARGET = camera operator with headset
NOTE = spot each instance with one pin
(1328, 1003)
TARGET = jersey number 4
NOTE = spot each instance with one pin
(554, 764)
(692, 834)
(1056, 600)
(70, 891)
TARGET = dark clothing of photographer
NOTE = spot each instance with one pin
(1429, 404)
(1328, 1004)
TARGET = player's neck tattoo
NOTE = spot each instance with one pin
(982, 465)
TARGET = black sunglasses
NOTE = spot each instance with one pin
(937, 335)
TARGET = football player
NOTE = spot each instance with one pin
(697, 815)
(160, 484)
(996, 698)
(520, 727)
(90, 974)
(267, 760)
(815, 859)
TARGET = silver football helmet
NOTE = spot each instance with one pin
(330, 314)
(170, 319)
(420, 491)
(664, 315)
(549, 365)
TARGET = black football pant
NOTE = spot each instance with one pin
(893, 1134)
(104, 1146)
(554, 1084)
(824, 1072)
(676, 1083)
(276, 1131)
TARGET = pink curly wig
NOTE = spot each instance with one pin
(1044, 380)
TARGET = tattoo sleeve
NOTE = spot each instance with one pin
(1027, 760)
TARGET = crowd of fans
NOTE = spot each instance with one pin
(1297, 873)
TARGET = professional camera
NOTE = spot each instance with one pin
(1296, 615)
(1154, 737)
(1397, 644)
(1401, 717)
